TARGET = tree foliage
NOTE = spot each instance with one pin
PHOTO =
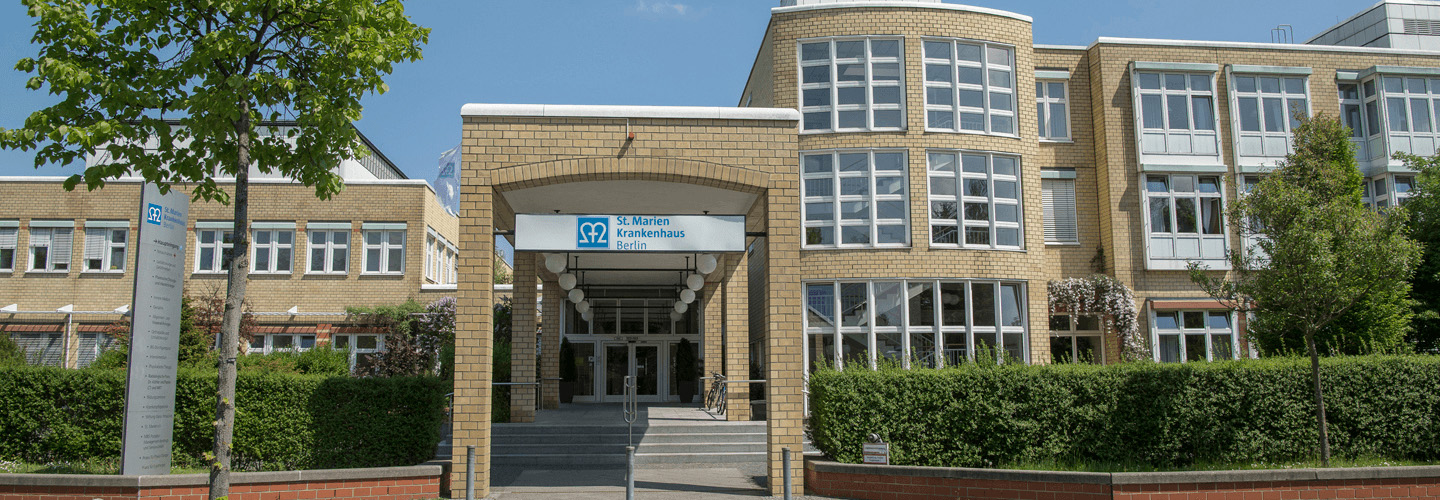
(1424, 207)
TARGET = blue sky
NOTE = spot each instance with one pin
(654, 52)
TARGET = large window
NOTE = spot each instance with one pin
(1351, 111)
(1389, 190)
(1268, 108)
(329, 248)
(213, 247)
(273, 246)
(50, 245)
(362, 349)
(855, 198)
(916, 323)
(1052, 106)
(1177, 113)
(9, 241)
(1410, 108)
(384, 248)
(975, 200)
(1185, 220)
(852, 84)
(1184, 336)
(105, 246)
(1076, 339)
(1058, 196)
(969, 87)
(440, 259)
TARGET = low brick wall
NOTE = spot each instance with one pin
(891, 482)
(404, 483)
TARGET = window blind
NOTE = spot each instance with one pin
(1058, 196)
(95, 243)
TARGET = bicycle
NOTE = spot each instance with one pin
(716, 398)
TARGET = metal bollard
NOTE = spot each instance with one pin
(785, 454)
(629, 473)
(470, 472)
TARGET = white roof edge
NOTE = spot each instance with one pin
(1356, 16)
(907, 5)
(1260, 45)
(606, 111)
(1059, 47)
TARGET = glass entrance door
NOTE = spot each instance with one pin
(639, 360)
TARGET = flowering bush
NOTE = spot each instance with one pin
(1107, 298)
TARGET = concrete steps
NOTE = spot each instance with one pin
(589, 445)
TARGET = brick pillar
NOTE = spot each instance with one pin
(785, 410)
(473, 330)
(734, 291)
(550, 330)
(522, 335)
(712, 334)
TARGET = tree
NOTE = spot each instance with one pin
(174, 91)
(1424, 207)
(1320, 252)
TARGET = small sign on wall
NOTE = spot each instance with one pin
(876, 453)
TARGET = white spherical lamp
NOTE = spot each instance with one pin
(587, 315)
(583, 307)
(706, 264)
(567, 281)
(695, 282)
(687, 296)
(681, 307)
(577, 295)
(674, 316)
(555, 263)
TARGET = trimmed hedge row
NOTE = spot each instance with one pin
(1146, 414)
(283, 421)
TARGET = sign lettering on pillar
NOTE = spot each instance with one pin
(629, 233)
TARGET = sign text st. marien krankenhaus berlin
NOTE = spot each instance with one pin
(630, 233)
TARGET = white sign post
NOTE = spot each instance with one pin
(629, 233)
(154, 333)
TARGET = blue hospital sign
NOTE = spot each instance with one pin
(592, 232)
(629, 233)
(154, 214)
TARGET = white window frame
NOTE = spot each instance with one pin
(328, 248)
(1209, 248)
(1352, 114)
(1062, 223)
(1188, 142)
(936, 330)
(992, 224)
(1376, 124)
(9, 240)
(350, 341)
(439, 259)
(58, 240)
(101, 237)
(296, 342)
(1073, 331)
(989, 112)
(1045, 103)
(217, 246)
(384, 248)
(1402, 87)
(1250, 241)
(834, 108)
(1389, 190)
(1269, 142)
(272, 248)
(837, 200)
(1179, 333)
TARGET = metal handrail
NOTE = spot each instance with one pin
(631, 405)
(514, 383)
(745, 381)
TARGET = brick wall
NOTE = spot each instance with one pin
(404, 483)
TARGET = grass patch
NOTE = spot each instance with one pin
(88, 466)
(1335, 462)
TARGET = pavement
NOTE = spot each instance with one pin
(652, 482)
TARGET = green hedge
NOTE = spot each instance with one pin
(1146, 414)
(283, 421)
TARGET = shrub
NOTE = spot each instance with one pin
(324, 359)
(283, 421)
(1156, 415)
(10, 353)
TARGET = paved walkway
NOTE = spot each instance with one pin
(651, 483)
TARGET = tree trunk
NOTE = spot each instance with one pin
(238, 267)
(1319, 400)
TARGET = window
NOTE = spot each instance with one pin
(9, 241)
(969, 87)
(362, 349)
(1076, 339)
(1353, 116)
(916, 323)
(1185, 214)
(1410, 107)
(855, 199)
(975, 200)
(1251, 235)
(1052, 106)
(384, 251)
(213, 248)
(329, 250)
(1177, 113)
(1058, 195)
(1268, 108)
(1388, 190)
(630, 316)
(439, 259)
(852, 84)
(273, 248)
(105, 246)
(50, 245)
(1185, 336)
